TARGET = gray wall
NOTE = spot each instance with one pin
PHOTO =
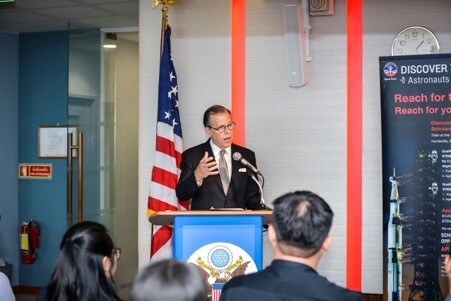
(299, 134)
(382, 20)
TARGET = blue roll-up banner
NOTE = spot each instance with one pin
(416, 155)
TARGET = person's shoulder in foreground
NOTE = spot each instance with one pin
(6, 292)
(299, 236)
(286, 281)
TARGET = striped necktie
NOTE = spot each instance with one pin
(224, 171)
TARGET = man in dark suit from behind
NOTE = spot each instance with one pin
(299, 235)
(200, 180)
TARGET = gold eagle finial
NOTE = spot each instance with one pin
(156, 2)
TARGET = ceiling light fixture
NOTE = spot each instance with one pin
(110, 40)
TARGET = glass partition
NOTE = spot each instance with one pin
(91, 109)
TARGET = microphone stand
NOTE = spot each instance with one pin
(260, 186)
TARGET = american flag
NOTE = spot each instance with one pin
(216, 291)
(168, 150)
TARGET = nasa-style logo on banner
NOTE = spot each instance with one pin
(390, 69)
(219, 262)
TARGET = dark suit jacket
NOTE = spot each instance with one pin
(243, 191)
(285, 281)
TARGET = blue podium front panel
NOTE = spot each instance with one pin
(223, 246)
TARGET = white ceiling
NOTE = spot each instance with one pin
(55, 15)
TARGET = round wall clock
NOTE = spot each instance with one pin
(415, 40)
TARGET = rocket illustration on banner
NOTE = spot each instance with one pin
(394, 244)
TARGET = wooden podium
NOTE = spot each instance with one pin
(220, 243)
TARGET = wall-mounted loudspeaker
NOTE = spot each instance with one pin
(322, 7)
(295, 38)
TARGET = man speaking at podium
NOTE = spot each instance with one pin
(209, 177)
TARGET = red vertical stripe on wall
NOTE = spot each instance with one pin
(354, 146)
(238, 62)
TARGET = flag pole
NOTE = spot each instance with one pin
(164, 18)
(164, 23)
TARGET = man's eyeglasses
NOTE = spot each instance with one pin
(222, 129)
(117, 253)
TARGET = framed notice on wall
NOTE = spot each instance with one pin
(52, 141)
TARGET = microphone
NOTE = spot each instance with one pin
(237, 157)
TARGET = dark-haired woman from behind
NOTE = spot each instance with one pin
(85, 266)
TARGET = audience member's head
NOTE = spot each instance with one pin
(86, 265)
(168, 280)
(301, 224)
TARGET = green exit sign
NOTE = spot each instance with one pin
(7, 4)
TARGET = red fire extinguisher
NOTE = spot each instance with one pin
(29, 241)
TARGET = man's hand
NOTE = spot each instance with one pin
(207, 167)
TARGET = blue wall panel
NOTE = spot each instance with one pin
(43, 69)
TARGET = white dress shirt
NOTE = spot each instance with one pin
(227, 156)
